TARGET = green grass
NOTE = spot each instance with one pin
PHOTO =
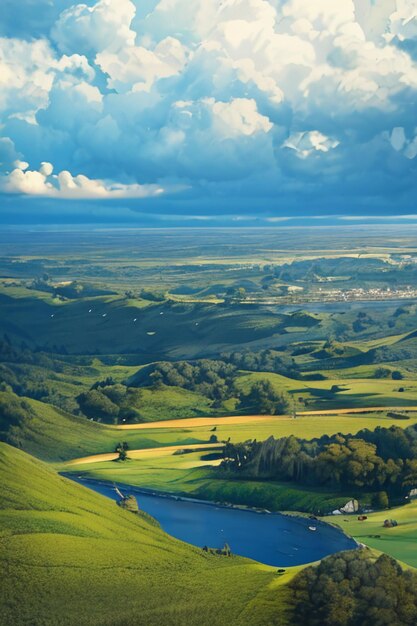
(307, 427)
(72, 556)
(173, 403)
(54, 435)
(356, 392)
(176, 475)
(400, 542)
(390, 340)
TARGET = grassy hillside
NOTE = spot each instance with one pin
(54, 435)
(73, 557)
(172, 403)
(116, 324)
(338, 392)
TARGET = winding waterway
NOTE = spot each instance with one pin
(271, 538)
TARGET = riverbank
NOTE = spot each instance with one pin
(274, 539)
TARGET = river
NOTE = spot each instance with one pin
(270, 538)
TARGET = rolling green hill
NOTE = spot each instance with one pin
(116, 324)
(71, 556)
(54, 435)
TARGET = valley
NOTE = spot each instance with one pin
(151, 375)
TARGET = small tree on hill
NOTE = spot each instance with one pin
(381, 372)
(122, 449)
(396, 375)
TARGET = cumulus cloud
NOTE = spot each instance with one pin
(266, 97)
(137, 66)
(64, 185)
(88, 30)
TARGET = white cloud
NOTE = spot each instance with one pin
(25, 80)
(21, 165)
(135, 64)
(87, 30)
(257, 93)
(238, 117)
(64, 185)
(403, 21)
(214, 139)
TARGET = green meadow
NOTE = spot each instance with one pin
(55, 435)
(73, 557)
(190, 475)
(400, 541)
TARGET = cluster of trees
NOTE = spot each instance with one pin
(213, 379)
(354, 589)
(384, 372)
(383, 460)
(111, 403)
(153, 295)
(121, 449)
(263, 398)
(362, 322)
(216, 380)
(262, 361)
(12, 353)
(235, 293)
(30, 373)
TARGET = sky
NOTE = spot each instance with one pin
(207, 112)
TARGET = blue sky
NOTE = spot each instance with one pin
(207, 112)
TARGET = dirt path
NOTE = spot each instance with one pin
(195, 422)
(142, 453)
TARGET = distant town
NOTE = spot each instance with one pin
(336, 295)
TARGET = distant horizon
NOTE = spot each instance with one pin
(244, 224)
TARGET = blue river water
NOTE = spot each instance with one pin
(270, 538)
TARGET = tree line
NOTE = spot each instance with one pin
(383, 460)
